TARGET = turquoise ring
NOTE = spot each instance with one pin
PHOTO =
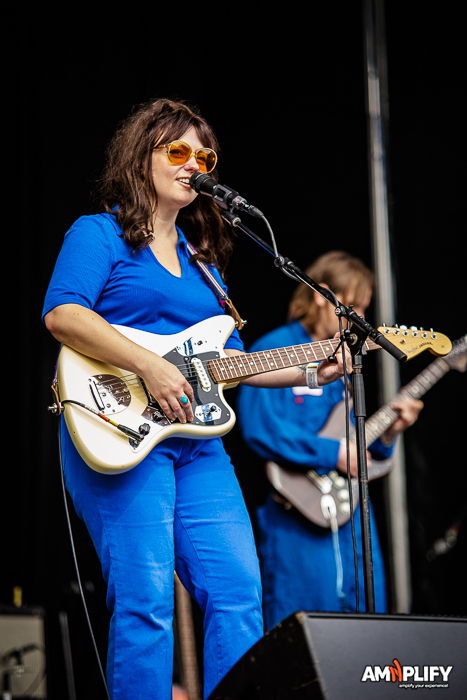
(184, 399)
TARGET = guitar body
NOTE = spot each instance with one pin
(300, 491)
(123, 397)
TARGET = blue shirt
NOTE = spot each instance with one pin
(97, 269)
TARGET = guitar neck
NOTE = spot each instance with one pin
(387, 416)
(238, 367)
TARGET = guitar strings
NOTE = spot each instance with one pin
(289, 356)
(237, 362)
(261, 357)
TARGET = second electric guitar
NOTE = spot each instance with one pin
(92, 392)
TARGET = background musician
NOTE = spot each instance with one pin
(302, 568)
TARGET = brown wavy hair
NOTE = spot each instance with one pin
(343, 274)
(126, 188)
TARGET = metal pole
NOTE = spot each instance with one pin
(389, 378)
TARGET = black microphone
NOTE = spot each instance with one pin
(224, 196)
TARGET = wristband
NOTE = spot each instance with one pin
(312, 376)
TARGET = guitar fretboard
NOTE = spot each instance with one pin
(387, 416)
(237, 367)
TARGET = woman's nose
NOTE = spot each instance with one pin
(192, 163)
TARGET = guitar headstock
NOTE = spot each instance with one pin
(412, 341)
(457, 358)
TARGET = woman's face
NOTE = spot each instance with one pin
(171, 181)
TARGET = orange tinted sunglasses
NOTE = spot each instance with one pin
(179, 153)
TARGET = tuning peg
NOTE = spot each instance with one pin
(403, 328)
(413, 328)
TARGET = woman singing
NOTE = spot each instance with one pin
(181, 508)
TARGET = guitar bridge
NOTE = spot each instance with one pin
(110, 393)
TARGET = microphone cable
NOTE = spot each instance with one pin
(347, 444)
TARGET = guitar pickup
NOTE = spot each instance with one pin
(201, 373)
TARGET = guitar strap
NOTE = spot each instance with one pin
(224, 300)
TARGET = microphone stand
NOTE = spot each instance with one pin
(360, 331)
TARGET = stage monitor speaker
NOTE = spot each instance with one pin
(22, 653)
(329, 656)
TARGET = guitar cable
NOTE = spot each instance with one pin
(75, 559)
(123, 428)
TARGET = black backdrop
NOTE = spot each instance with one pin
(263, 78)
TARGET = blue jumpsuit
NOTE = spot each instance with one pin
(298, 562)
(181, 508)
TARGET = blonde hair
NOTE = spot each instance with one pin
(342, 273)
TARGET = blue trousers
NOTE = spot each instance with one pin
(180, 509)
(299, 570)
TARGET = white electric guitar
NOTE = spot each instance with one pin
(115, 422)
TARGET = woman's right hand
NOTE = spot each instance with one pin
(87, 332)
(167, 384)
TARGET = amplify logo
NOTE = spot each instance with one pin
(409, 676)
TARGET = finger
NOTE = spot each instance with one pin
(174, 410)
(348, 362)
(167, 410)
(188, 390)
(186, 406)
(180, 410)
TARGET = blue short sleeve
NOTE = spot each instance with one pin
(84, 264)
